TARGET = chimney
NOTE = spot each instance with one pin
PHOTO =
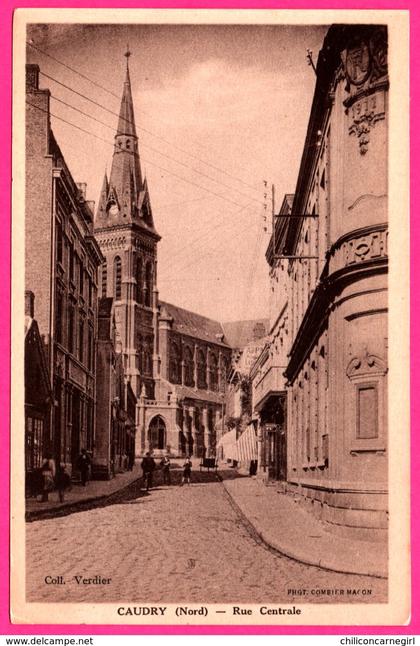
(32, 77)
(29, 304)
(82, 188)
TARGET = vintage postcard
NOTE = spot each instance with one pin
(210, 400)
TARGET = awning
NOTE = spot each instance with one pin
(247, 445)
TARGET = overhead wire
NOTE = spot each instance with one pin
(67, 87)
(148, 161)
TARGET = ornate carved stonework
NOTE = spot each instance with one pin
(108, 244)
(365, 59)
(366, 364)
(365, 65)
(364, 114)
(368, 246)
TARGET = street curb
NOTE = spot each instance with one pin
(323, 564)
(75, 505)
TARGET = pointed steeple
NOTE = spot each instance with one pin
(103, 197)
(126, 123)
(126, 192)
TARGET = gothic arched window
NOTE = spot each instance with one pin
(117, 278)
(174, 363)
(214, 378)
(189, 367)
(224, 374)
(201, 370)
(149, 279)
(104, 279)
(139, 279)
(148, 357)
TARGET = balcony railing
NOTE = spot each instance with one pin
(270, 381)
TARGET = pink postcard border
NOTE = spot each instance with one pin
(7, 8)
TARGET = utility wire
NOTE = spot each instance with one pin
(99, 105)
(166, 170)
(216, 181)
(41, 51)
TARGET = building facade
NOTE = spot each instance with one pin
(38, 396)
(269, 393)
(115, 402)
(61, 269)
(335, 250)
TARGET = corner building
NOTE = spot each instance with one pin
(336, 247)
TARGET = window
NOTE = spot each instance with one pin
(174, 364)
(90, 290)
(71, 330)
(59, 242)
(117, 278)
(367, 412)
(59, 318)
(81, 277)
(189, 367)
(34, 443)
(148, 292)
(90, 349)
(139, 279)
(71, 262)
(148, 357)
(104, 280)
(201, 370)
(214, 377)
(81, 339)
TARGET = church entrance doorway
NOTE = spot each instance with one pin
(157, 434)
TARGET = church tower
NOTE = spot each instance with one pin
(128, 240)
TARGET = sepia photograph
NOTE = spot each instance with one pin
(211, 327)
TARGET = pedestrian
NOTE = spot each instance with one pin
(83, 464)
(62, 481)
(165, 465)
(186, 474)
(148, 465)
(48, 475)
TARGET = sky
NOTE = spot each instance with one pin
(220, 110)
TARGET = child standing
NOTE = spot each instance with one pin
(186, 475)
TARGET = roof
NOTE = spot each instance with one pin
(195, 325)
(239, 333)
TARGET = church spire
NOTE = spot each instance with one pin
(126, 124)
(124, 198)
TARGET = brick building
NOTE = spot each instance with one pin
(38, 394)
(61, 265)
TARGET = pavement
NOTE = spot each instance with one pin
(80, 497)
(292, 531)
(276, 518)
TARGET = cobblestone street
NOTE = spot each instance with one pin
(174, 545)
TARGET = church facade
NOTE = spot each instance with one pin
(177, 361)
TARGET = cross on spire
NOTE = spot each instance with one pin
(127, 54)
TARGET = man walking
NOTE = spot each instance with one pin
(148, 465)
(83, 464)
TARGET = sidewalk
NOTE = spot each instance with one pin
(95, 490)
(284, 526)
